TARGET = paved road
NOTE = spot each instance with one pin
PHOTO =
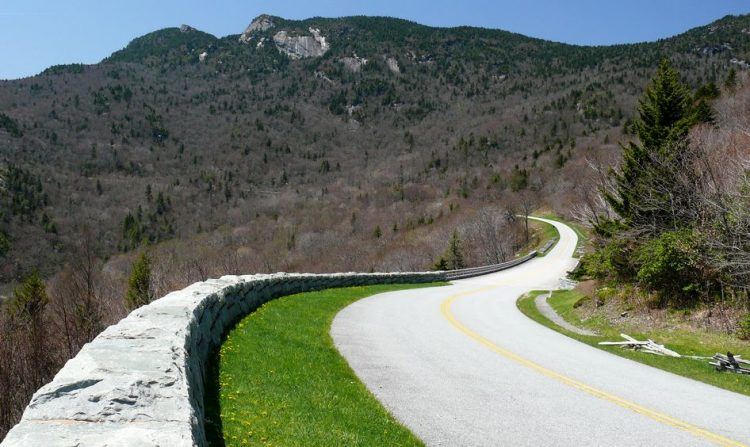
(461, 366)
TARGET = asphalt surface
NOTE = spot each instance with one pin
(462, 366)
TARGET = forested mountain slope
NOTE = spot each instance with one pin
(323, 144)
(359, 143)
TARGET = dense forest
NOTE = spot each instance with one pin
(185, 156)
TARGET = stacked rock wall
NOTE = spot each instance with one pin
(141, 382)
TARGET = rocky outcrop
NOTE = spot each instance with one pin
(260, 24)
(393, 65)
(141, 382)
(354, 64)
(186, 28)
(300, 47)
(294, 46)
(321, 75)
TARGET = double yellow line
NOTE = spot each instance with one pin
(445, 308)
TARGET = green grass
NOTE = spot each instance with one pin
(543, 232)
(278, 380)
(697, 343)
(581, 231)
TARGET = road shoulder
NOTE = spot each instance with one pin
(562, 302)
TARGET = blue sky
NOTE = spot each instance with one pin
(35, 34)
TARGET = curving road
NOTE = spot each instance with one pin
(462, 366)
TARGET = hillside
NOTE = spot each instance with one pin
(359, 143)
(325, 144)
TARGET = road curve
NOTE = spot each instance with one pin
(462, 366)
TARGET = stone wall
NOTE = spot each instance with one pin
(141, 381)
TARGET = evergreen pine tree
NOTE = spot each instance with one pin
(139, 285)
(707, 91)
(664, 109)
(454, 256)
(731, 81)
(27, 309)
(30, 299)
(441, 264)
(665, 116)
(703, 112)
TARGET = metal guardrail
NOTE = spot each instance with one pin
(487, 269)
(549, 244)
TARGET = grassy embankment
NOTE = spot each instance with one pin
(541, 232)
(279, 380)
(686, 342)
(583, 236)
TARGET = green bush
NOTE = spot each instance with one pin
(609, 262)
(743, 331)
(671, 265)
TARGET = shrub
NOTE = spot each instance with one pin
(671, 265)
(744, 328)
(610, 261)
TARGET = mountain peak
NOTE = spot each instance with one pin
(262, 23)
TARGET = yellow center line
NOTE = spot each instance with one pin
(445, 308)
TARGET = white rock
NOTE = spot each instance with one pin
(260, 24)
(393, 65)
(354, 64)
(300, 47)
